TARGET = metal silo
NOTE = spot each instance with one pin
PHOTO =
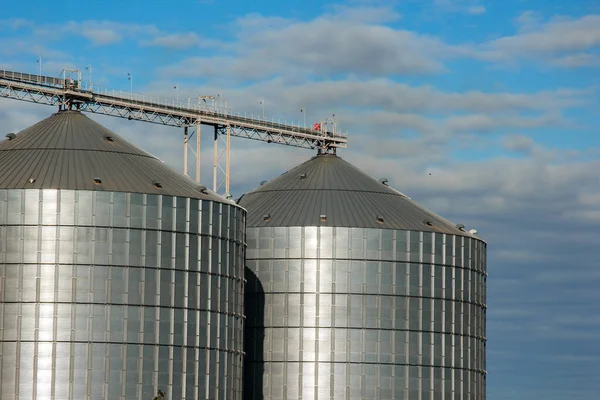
(356, 292)
(119, 277)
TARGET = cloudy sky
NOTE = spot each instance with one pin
(484, 111)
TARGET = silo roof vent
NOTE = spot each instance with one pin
(31, 180)
(267, 217)
(460, 227)
(157, 185)
(348, 197)
(202, 188)
(98, 159)
(323, 217)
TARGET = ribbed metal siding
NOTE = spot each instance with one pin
(116, 295)
(353, 313)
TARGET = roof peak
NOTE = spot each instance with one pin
(68, 110)
(326, 171)
(68, 150)
(326, 190)
(71, 130)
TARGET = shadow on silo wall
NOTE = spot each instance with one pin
(254, 337)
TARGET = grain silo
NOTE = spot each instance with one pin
(357, 292)
(119, 277)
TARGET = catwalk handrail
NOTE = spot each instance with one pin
(184, 115)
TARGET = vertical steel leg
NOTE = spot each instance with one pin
(185, 150)
(215, 159)
(198, 151)
(228, 161)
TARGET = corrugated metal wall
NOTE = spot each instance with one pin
(353, 313)
(117, 295)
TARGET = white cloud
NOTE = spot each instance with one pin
(346, 42)
(518, 143)
(175, 41)
(98, 32)
(102, 33)
(536, 40)
(12, 47)
(482, 123)
(591, 198)
(583, 216)
(101, 37)
(577, 60)
(390, 96)
(529, 20)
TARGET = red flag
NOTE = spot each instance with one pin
(317, 126)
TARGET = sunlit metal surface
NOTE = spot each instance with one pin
(352, 313)
(354, 291)
(108, 294)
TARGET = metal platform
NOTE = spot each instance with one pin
(67, 92)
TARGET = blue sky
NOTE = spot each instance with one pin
(497, 100)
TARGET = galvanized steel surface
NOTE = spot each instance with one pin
(68, 151)
(108, 295)
(327, 186)
(352, 313)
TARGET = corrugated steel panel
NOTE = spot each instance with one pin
(68, 150)
(326, 184)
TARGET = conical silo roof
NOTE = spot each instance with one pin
(328, 191)
(68, 150)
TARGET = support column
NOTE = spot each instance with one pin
(198, 151)
(185, 150)
(215, 159)
(222, 160)
(228, 161)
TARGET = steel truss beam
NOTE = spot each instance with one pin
(32, 96)
(271, 137)
(66, 94)
(133, 109)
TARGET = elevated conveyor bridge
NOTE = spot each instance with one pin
(67, 92)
